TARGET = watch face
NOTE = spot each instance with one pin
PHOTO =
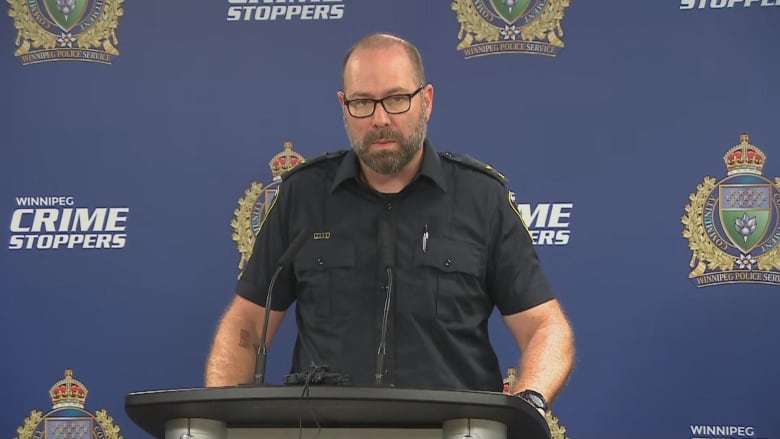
(534, 398)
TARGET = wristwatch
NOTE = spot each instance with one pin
(534, 398)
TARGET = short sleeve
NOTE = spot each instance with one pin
(271, 241)
(515, 276)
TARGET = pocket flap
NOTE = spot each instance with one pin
(450, 256)
(325, 254)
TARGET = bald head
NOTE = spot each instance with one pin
(386, 41)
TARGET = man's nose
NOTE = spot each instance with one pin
(380, 117)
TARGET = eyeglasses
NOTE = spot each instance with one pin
(393, 104)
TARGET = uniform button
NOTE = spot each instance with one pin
(447, 262)
(389, 206)
(320, 262)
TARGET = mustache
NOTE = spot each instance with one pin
(383, 133)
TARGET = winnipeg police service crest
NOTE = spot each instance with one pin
(68, 419)
(257, 201)
(732, 224)
(489, 27)
(56, 30)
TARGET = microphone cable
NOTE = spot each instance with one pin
(304, 399)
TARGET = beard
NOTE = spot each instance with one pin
(384, 161)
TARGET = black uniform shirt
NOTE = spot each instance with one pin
(478, 255)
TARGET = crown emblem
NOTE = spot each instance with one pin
(744, 158)
(68, 392)
(284, 161)
(68, 419)
(732, 224)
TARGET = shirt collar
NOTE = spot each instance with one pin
(349, 168)
(431, 166)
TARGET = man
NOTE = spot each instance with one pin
(441, 229)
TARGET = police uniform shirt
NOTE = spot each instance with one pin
(478, 255)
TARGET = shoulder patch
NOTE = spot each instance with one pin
(316, 159)
(473, 163)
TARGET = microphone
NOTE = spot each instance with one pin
(387, 257)
(285, 259)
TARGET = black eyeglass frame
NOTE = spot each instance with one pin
(382, 101)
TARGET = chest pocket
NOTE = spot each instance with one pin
(321, 265)
(455, 275)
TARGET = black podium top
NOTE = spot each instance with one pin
(334, 407)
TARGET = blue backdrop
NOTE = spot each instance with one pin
(154, 150)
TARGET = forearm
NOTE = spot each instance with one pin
(546, 360)
(233, 354)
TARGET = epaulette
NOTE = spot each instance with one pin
(317, 159)
(473, 163)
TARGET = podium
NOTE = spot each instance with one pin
(330, 412)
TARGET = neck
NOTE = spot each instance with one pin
(393, 183)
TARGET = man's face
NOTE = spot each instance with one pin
(385, 142)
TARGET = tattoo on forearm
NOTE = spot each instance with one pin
(245, 339)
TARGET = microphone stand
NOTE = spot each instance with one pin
(382, 351)
(286, 258)
(387, 254)
(262, 353)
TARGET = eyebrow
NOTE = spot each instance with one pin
(390, 92)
